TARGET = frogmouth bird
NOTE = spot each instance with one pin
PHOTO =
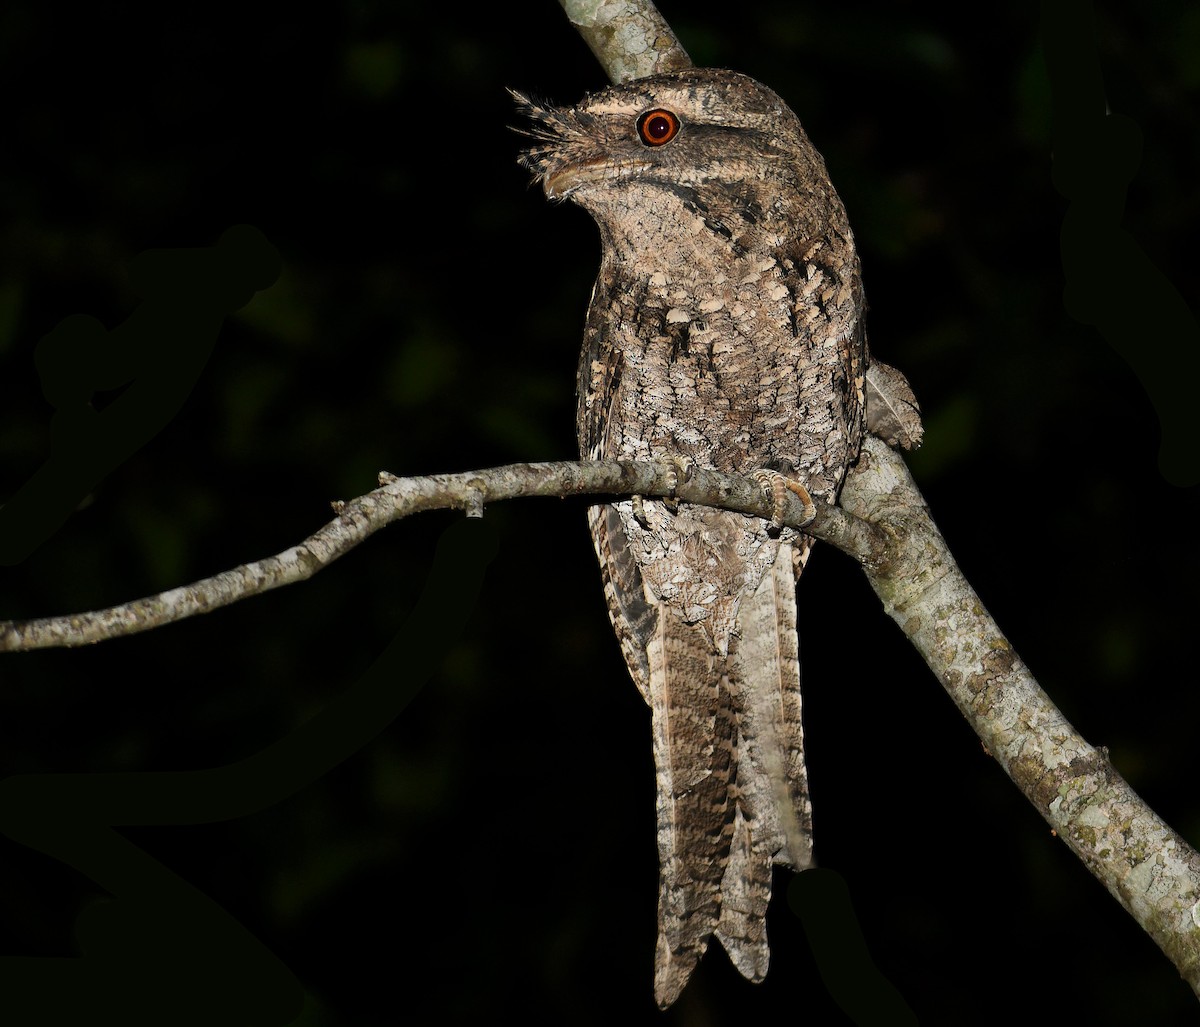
(725, 331)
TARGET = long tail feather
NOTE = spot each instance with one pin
(774, 814)
(693, 754)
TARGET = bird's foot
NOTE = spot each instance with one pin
(678, 470)
(775, 486)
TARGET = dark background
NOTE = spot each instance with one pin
(494, 848)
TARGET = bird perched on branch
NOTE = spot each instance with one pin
(725, 330)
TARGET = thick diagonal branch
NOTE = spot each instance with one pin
(1142, 862)
(629, 37)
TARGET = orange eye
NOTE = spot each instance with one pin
(657, 127)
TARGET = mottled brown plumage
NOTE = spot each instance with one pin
(725, 328)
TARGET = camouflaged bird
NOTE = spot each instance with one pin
(726, 330)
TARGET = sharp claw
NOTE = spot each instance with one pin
(679, 469)
(639, 511)
(775, 485)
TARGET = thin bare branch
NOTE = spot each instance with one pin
(400, 497)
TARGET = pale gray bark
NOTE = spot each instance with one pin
(1143, 863)
(629, 37)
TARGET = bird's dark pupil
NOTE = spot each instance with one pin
(658, 127)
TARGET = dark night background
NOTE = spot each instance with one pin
(493, 849)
